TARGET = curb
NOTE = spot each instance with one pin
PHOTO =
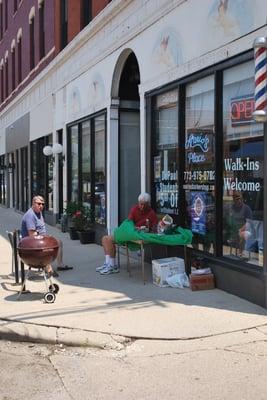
(27, 332)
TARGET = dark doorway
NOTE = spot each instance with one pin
(129, 137)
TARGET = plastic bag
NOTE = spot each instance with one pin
(178, 280)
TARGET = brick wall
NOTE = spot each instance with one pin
(20, 19)
(98, 5)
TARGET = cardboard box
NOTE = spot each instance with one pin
(165, 267)
(202, 282)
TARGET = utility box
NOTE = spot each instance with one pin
(202, 282)
(166, 267)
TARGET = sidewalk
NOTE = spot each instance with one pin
(106, 311)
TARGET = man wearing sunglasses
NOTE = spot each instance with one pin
(33, 224)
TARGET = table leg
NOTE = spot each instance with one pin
(128, 260)
(118, 255)
(143, 261)
(15, 253)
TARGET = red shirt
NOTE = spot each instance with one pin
(139, 216)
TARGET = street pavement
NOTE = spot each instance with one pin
(109, 311)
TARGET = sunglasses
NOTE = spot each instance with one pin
(39, 204)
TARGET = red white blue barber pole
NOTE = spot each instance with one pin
(260, 55)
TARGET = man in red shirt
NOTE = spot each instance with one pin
(142, 215)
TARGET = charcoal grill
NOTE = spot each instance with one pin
(37, 252)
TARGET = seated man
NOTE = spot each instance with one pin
(141, 214)
(33, 224)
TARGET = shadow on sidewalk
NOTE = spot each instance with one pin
(84, 290)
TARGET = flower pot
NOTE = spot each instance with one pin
(86, 236)
(73, 233)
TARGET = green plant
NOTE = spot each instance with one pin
(72, 207)
(82, 219)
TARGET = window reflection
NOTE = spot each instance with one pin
(199, 174)
(50, 176)
(166, 157)
(87, 176)
(74, 162)
(86, 164)
(100, 175)
(243, 168)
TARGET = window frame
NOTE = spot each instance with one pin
(78, 123)
(150, 96)
(32, 42)
(41, 13)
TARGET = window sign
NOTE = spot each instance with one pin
(199, 173)
(242, 108)
(198, 212)
(199, 152)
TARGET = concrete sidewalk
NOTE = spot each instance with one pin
(106, 311)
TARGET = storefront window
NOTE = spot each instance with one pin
(2, 180)
(86, 163)
(100, 170)
(24, 178)
(199, 174)
(50, 176)
(74, 162)
(87, 174)
(243, 168)
(166, 154)
(38, 169)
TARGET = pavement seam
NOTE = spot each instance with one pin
(49, 357)
(82, 337)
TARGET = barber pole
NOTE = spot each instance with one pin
(260, 54)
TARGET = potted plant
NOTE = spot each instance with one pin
(72, 207)
(83, 220)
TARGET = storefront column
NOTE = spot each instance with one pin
(143, 150)
(112, 165)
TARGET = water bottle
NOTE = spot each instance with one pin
(147, 225)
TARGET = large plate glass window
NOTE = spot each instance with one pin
(87, 172)
(243, 168)
(166, 153)
(74, 166)
(100, 170)
(39, 170)
(2, 180)
(50, 164)
(199, 174)
(86, 163)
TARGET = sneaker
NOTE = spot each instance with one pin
(115, 269)
(99, 269)
(109, 270)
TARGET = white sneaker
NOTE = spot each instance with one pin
(115, 269)
(109, 270)
(99, 269)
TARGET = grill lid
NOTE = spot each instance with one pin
(39, 242)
